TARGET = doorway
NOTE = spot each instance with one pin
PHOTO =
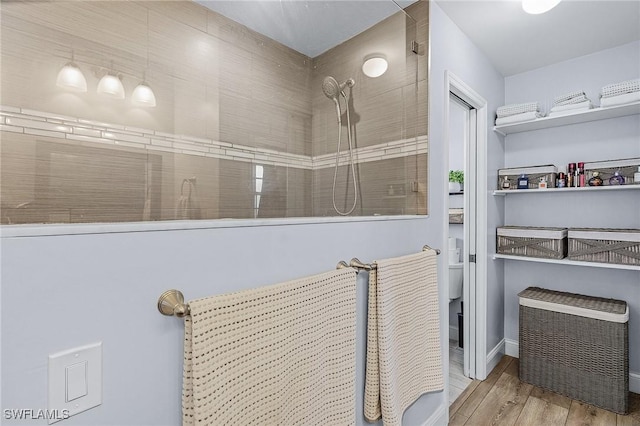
(466, 116)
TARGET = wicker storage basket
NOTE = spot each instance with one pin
(534, 173)
(576, 345)
(547, 243)
(626, 168)
(621, 246)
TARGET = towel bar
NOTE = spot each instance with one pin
(356, 263)
(171, 303)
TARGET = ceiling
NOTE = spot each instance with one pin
(310, 27)
(515, 41)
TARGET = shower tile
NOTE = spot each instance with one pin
(14, 129)
(186, 12)
(35, 132)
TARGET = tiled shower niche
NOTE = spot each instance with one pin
(241, 129)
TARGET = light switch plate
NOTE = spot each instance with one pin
(75, 381)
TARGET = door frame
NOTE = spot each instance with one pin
(475, 306)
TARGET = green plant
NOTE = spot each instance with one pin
(456, 176)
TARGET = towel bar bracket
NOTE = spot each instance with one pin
(171, 303)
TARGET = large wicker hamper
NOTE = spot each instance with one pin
(576, 345)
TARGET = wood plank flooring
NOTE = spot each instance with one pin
(502, 399)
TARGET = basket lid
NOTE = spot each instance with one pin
(575, 304)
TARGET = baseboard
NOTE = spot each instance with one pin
(634, 382)
(453, 333)
(438, 417)
(512, 349)
(494, 356)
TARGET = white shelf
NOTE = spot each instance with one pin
(568, 262)
(563, 120)
(629, 187)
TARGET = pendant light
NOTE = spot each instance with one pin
(111, 86)
(142, 95)
(70, 77)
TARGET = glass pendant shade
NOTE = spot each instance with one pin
(536, 7)
(143, 96)
(375, 67)
(111, 86)
(70, 77)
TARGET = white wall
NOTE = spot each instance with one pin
(601, 140)
(452, 50)
(63, 291)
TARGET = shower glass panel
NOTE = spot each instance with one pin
(242, 127)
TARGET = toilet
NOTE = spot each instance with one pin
(455, 271)
(455, 281)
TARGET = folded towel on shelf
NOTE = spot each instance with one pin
(526, 116)
(403, 337)
(513, 109)
(569, 97)
(570, 108)
(276, 355)
(626, 98)
(576, 100)
(620, 88)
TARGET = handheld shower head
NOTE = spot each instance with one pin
(332, 89)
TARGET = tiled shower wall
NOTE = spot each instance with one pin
(228, 99)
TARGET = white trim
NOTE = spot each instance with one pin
(512, 349)
(476, 306)
(438, 417)
(575, 310)
(493, 357)
(16, 231)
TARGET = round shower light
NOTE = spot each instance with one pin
(70, 77)
(111, 86)
(375, 66)
(536, 7)
(143, 96)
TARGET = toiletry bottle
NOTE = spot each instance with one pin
(523, 182)
(506, 184)
(616, 179)
(543, 183)
(636, 176)
(581, 177)
(571, 170)
(596, 180)
(562, 180)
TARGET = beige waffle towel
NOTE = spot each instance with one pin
(403, 336)
(277, 355)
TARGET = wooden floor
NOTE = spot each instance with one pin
(502, 399)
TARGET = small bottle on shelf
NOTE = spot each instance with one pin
(616, 179)
(505, 183)
(596, 180)
(636, 176)
(581, 177)
(571, 170)
(523, 182)
(562, 180)
(543, 183)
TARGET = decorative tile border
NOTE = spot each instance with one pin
(21, 120)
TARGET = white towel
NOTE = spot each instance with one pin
(560, 100)
(403, 336)
(277, 355)
(513, 109)
(626, 98)
(620, 88)
(569, 109)
(575, 100)
(518, 118)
